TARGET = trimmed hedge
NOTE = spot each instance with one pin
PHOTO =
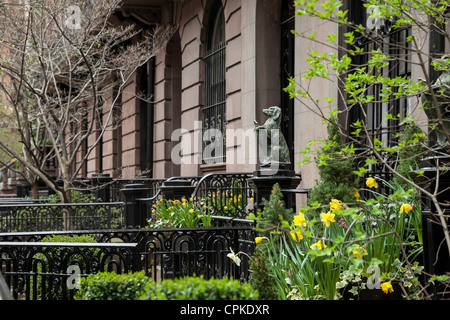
(197, 288)
(112, 286)
(137, 286)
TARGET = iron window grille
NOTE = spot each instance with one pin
(393, 43)
(214, 110)
(373, 115)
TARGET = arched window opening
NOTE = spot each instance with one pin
(214, 110)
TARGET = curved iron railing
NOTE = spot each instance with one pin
(228, 194)
(60, 216)
(38, 270)
(43, 271)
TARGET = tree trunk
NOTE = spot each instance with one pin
(34, 190)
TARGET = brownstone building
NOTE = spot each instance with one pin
(227, 61)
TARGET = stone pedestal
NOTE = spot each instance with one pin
(135, 215)
(177, 189)
(264, 179)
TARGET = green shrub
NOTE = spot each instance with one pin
(112, 286)
(271, 220)
(62, 238)
(197, 288)
(260, 278)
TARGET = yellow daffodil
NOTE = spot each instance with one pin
(319, 245)
(335, 205)
(299, 220)
(199, 216)
(358, 251)
(259, 239)
(296, 235)
(356, 195)
(327, 218)
(225, 208)
(387, 287)
(371, 183)
(191, 211)
(406, 207)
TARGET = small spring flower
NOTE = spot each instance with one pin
(299, 220)
(234, 257)
(259, 239)
(296, 235)
(371, 183)
(406, 207)
(343, 224)
(358, 251)
(387, 287)
(327, 218)
(319, 245)
(335, 205)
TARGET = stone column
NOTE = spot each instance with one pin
(177, 189)
(135, 215)
(264, 179)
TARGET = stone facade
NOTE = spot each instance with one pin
(253, 63)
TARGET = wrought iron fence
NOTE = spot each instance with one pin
(38, 270)
(228, 194)
(378, 171)
(58, 216)
(117, 184)
(43, 271)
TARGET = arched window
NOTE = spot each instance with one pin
(214, 110)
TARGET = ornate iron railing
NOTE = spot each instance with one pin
(228, 194)
(117, 184)
(161, 253)
(43, 271)
(57, 216)
(378, 171)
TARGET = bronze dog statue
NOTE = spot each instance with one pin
(277, 148)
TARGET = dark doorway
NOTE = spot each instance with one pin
(287, 71)
(146, 117)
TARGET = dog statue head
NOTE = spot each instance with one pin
(274, 113)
